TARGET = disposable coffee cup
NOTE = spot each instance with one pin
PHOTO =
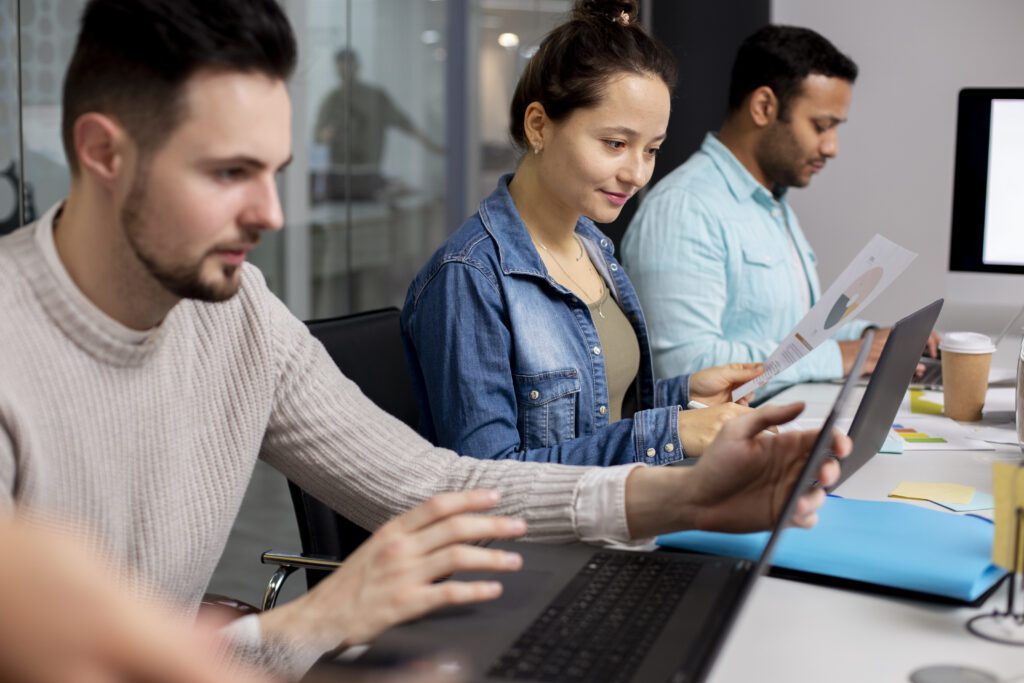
(966, 359)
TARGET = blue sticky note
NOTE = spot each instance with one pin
(881, 542)
(893, 443)
(980, 501)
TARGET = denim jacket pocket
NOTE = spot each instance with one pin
(547, 407)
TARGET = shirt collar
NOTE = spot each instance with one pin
(741, 182)
(516, 251)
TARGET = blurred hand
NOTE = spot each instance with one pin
(740, 483)
(65, 619)
(325, 134)
(699, 427)
(712, 386)
(850, 349)
(393, 577)
(932, 347)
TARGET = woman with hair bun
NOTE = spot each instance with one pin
(524, 334)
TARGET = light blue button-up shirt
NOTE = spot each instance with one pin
(723, 271)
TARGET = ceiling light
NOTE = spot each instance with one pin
(508, 40)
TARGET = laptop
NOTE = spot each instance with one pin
(888, 385)
(580, 613)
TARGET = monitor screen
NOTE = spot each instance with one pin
(988, 190)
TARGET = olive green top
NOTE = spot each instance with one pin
(621, 352)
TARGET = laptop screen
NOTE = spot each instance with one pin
(819, 452)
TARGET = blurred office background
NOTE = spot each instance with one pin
(400, 117)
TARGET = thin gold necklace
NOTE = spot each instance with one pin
(600, 294)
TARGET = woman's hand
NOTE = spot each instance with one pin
(712, 386)
(699, 427)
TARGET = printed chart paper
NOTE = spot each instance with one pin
(867, 276)
(936, 433)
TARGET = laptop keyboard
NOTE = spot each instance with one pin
(600, 627)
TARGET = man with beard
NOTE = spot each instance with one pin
(146, 366)
(721, 266)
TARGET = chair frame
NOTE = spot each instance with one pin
(319, 565)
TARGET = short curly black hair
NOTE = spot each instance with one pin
(781, 57)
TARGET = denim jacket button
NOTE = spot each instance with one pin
(596, 350)
(604, 243)
(534, 394)
(614, 267)
(602, 409)
(669, 448)
(651, 452)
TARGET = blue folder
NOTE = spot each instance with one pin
(876, 543)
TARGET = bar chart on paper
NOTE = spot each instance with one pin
(935, 433)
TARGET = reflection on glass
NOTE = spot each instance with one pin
(352, 122)
(373, 117)
(48, 31)
(10, 211)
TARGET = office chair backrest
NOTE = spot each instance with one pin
(367, 348)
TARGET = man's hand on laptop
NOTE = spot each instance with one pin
(392, 578)
(740, 483)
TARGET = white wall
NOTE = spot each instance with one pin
(894, 173)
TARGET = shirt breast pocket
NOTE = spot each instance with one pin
(765, 277)
(547, 407)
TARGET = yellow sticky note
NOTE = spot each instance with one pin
(920, 405)
(947, 493)
(1008, 491)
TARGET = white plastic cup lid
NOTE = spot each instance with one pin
(966, 342)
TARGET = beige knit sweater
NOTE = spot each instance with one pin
(150, 438)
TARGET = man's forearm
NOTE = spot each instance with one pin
(659, 500)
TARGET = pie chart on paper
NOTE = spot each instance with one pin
(851, 299)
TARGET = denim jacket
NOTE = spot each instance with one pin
(506, 363)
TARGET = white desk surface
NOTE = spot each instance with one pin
(802, 633)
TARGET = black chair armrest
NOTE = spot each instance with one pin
(287, 564)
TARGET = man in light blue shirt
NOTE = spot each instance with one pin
(718, 258)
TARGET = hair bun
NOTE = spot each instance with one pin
(622, 12)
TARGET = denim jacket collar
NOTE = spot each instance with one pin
(516, 252)
(741, 182)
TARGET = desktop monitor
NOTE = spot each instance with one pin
(987, 238)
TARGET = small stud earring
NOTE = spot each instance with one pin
(536, 149)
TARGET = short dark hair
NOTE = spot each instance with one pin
(781, 57)
(133, 58)
(571, 67)
(347, 55)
